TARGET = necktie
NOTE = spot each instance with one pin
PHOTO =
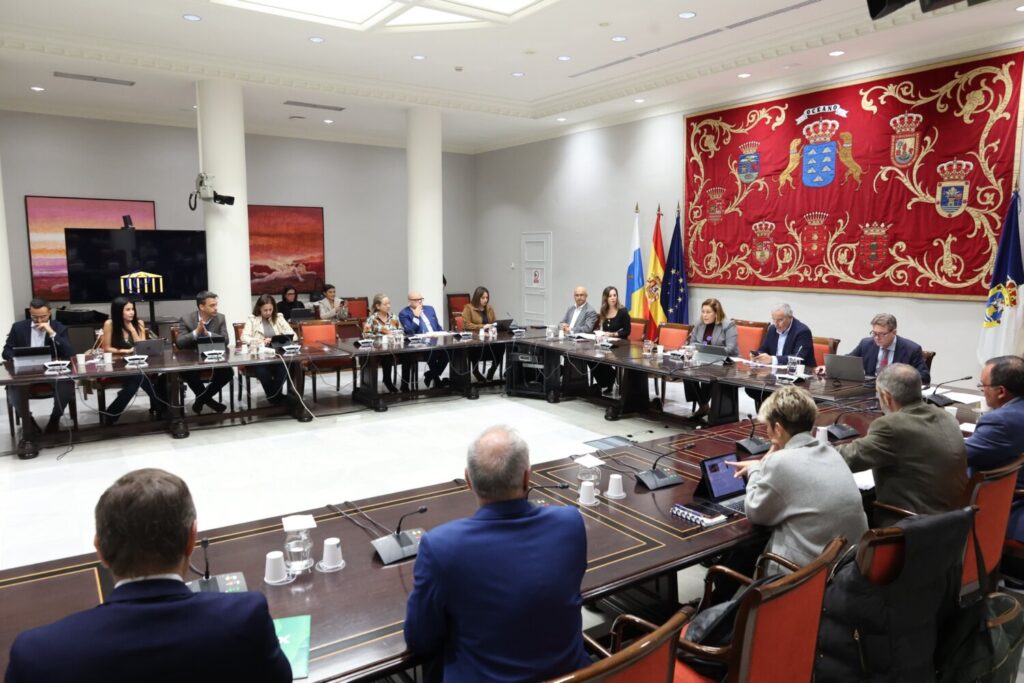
(882, 364)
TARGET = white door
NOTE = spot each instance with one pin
(536, 272)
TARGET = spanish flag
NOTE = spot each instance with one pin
(652, 285)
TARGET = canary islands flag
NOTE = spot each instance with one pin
(1003, 321)
(635, 299)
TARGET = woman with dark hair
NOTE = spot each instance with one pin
(613, 320)
(477, 315)
(289, 302)
(382, 321)
(120, 333)
(715, 329)
(264, 324)
(330, 307)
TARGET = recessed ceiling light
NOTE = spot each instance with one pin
(619, 39)
(518, 74)
(564, 58)
(561, 119)
(639, 100)
(195, 106)
(37, 88)
(687, 15)
(328, 120)
(1020, 8)
(316, 39)
(837, 53)
(191, 17)
(419, 58)
(743, 75)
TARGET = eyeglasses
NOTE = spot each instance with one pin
(982, 385)
(414, 300)
(880, 335)
(40, 318)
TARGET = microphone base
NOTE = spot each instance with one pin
(395, 548)
(656, 479)
(940, 400)
(221, 583)
(753, 446)
(840, 432)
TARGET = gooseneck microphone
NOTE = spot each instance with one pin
(753, 445)
(418, 511)
(942, 401)
(534, 487)
(400, 545)
(205, 543)
(232, 582)
(655, 479)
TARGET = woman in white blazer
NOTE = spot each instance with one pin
(264, 323)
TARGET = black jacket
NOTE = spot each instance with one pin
(21, 335)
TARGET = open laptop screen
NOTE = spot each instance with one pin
(719, 477)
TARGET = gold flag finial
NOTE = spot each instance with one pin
(637, 209)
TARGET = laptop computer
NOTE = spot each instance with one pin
(211, 342)
(845, 367)
(31, 357)
(299, 314)
(149, 347)
(708, 354)
(724, 489)
(504, 325)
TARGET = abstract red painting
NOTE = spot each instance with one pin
(286, 248)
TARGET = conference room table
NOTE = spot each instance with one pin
(171, 363)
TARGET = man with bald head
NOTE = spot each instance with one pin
(581, 316)
(496, 596)
(419, 319)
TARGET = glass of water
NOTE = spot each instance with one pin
(298, 551)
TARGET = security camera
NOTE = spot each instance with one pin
(205, 191)
(223, 199)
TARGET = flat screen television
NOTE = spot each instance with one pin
(150, 265)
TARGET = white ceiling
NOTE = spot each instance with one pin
(783, 44)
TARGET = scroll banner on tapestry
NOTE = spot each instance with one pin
(893, 186)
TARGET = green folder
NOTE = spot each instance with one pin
(293, 634)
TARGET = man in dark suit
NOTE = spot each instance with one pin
(417, 318)
(40, 330)
(496, 597)
(152, 627)
(884, 348)
(203, 322)
(915, 450)
(786, 337)
(998, 437)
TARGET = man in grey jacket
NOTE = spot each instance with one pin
(203, 322)
(915, 451)
(580, 317)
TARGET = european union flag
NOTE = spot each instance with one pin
(674, 291)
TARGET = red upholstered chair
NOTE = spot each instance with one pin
(456, 302)
(358, 307)
(776, 630)
(749, 336)
(649, 658)
(823, 345)
(637, 328)
(674, 335)
(323, 332)
(880, 555)
(458, 324)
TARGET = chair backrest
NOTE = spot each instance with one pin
(928, 357)
(674, 335)
(322, 331)
(457, 322)
(823, 345)
(880, 555)
(749, 335)
(456, 302)
(649, 658)
(358, 306)
(991, 491)
(637, 327)
(348, 329)
(239, 327)
(781, 616)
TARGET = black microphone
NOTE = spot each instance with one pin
(838, 432)
(655, 479)
(941, 401)
(534, 487)
(418, 511)
(205, 543)
(753, 445)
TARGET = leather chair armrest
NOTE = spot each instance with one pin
(765, 558)
(895, 510)
(709, 581)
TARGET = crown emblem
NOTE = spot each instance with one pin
(763, 228)
(907, 122)
(716, 193)
(750, 146)
(821, 131)
(875, 228)
(957, 169)
(816, 217)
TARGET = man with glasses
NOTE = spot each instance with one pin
(581, 317)
(419, 319)
(998, 437)
(786, 337)
(882, 347)
(40, 330)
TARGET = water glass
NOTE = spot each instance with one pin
(792, 364)
(648, 348)
(549, 332)
(298, 551)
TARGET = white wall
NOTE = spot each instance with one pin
(583, 187)
(361, 188)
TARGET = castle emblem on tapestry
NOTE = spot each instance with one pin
(897, 185)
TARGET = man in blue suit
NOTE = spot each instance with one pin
(496, 596)
(40, 330)
(419, 319)
(998, 437)
(786, 337)
(883, 348)
(152, 627)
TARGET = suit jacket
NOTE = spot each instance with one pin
(798, 339)
(21, 335)
(413, 325)
(472, 320)
(724, 334)
(497, 595)
(997, 440)
(918, 459)
(906, 351)
(585, 322)
(155, 631)
(188, 324)
(253, 330)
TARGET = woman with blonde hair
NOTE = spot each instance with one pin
(382, 321)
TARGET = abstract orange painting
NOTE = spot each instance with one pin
(286, 248)
(47, 217)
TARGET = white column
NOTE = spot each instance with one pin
(426, 214)
(222, 155)
(6, 285)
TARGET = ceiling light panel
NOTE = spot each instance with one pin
(425, 16)
(506, 7)
(354, 14)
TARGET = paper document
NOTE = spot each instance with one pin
(967, 427)
(293, 635)
(865, 480)
(589, 460)
(961, 397)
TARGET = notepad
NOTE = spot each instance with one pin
(293, 635)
